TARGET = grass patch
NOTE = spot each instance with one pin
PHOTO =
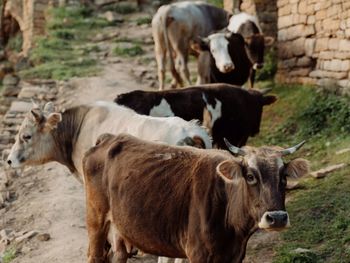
(146, 20)
(320, 212)
(9, 255)
(218, 3)
(270, 66)
(61, 54)
(15, 43)
(125, 8)
(132, 51)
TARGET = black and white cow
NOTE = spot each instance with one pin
(248, 26)
(222, 59)
(235, 113)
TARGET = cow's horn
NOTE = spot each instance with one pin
(265, 91)
(292, 149)
(234, 149)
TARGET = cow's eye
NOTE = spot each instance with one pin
(251, 179)
(26, 137)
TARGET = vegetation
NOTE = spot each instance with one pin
(128, 51)
(320, 211)
(270, 66)
(218, 3)
(9, 255)
(62, 54)
(143, 20)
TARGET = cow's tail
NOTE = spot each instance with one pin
(166, 22)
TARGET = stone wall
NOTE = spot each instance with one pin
(314, 45)
(313, 39)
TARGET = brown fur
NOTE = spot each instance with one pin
(171, 201)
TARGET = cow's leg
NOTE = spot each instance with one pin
(181, 61)
(161, 61)
(97, 236)
(121, 252)
(252, 78)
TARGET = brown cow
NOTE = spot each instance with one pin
(183, 202)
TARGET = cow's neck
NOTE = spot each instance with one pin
(66, 134)
(238, 210)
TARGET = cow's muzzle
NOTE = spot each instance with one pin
(258, 66)
(228, 67)
(274, 220)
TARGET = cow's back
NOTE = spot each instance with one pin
(161, 176)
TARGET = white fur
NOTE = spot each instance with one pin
(215, 112)
(237, 20)
(162, 110)
(219, 49)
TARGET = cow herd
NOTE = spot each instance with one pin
(152, 181)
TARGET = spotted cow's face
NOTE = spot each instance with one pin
(217, 44)
(34, 143)
(262, 177)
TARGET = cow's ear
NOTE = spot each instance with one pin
(200, 44)
(297, 168)
(229, 171)
(267, 100)
(52, 121)
(49, 107)
(269, 41)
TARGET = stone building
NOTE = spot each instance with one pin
(313, 39)
(30, 16)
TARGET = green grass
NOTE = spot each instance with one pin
(218, 3)
(132, 51)
(9, 255)
(62, 53)
(320, 212)
(143, 20)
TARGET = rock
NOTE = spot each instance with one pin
(10, 80)
(5, 68)
(20, 106)
(292, 185)
(44, 237)
(6, 236)
(343, 151)
(324, 171)
(112, 17)
(25, 236)
(11, 91)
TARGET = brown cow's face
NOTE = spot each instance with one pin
(262, 178)
(34, 144)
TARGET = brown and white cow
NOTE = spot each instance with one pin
(174, 26)
(222, 59)
(248, 26)
(181, 201)
(46, 135)
(235, 113)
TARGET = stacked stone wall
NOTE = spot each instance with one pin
(314, 42)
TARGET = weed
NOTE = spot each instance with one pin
(143, 20)
(9, 255)
(132, 51)
(125, 8)
(15, 43)
(270, 66)
(218, 3)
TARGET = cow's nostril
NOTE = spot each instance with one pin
(9, 162)
(270, 220)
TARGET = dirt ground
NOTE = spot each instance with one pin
(50, 200)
